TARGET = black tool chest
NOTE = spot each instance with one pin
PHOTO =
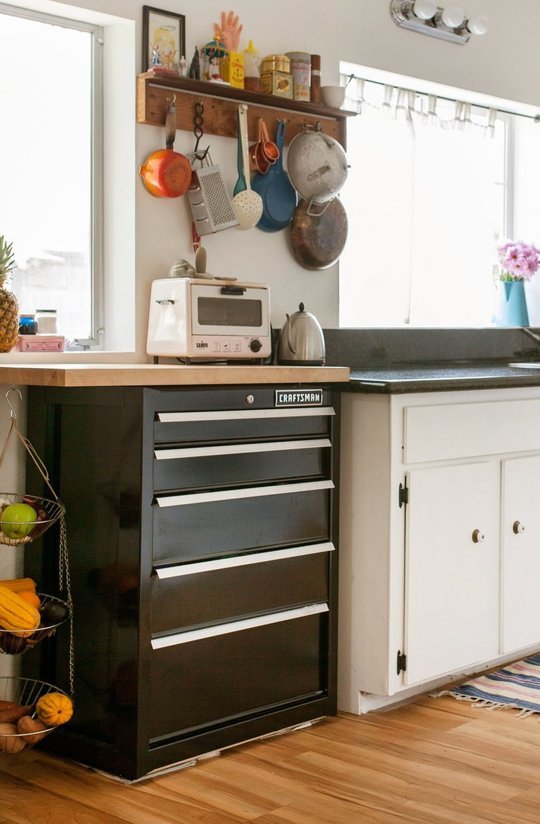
(202, 530)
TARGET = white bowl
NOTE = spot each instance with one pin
(333, 96)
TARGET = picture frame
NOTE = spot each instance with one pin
(164, 38)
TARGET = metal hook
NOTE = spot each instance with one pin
(16, 389)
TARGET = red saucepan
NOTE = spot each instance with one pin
(166, 173)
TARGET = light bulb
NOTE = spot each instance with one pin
(453, 17)
(477, 24)
(424, 9)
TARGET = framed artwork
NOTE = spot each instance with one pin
(164, 38)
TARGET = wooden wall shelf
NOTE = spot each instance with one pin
(220, 108)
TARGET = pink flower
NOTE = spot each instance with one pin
(518, 260)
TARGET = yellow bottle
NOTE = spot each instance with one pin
(252, 62)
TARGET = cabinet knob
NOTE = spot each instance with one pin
(518, 527)
(478, 536)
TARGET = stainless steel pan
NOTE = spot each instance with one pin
(317, 165)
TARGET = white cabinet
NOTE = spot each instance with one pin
(442, 578)
(451, 579)
(520, 561)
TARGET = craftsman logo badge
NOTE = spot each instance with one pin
(298, 397)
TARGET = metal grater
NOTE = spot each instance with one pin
(211, 206)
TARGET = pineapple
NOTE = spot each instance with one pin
(9, 309)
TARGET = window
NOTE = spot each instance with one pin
(434, 185)
(50, 199)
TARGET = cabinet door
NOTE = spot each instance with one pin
(452, 569)
(520, 553)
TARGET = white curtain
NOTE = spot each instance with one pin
(423, 212)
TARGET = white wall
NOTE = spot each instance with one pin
(503, 63)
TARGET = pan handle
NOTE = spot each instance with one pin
(324, 206)
(170, 126)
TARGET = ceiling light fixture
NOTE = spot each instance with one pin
(425, 17)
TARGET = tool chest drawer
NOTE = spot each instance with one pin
(192, 526)
(241, 425)
(220, 590)
(193, 467)
(220, 673)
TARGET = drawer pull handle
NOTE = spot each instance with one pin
(237, 626)
(235, 494)
(239, 449)
(478, 536)
(180, 570)
(518, 527)
(244, 414)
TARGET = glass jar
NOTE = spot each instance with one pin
(27, 325)
(46, 321)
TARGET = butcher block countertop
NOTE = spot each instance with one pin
(132, 374)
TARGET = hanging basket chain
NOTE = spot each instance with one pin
(64, 577)
(64, 582)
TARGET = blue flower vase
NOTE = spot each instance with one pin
(511, 304)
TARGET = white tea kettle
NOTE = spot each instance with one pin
(301, 340)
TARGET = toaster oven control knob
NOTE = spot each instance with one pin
(255, 345)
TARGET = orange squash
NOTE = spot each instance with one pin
(54, 708)
(16, 615)
(30, 597)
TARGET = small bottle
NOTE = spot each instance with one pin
(252, 62)
(315, 92)
(46, 321)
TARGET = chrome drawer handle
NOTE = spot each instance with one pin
(244, 414)
(179, 570)
(236, 494)
(237, 626)
(239, 449)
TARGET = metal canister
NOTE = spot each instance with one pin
(275, 63)
(301, 73)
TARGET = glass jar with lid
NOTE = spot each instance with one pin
(46, 321)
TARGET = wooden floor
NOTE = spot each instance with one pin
(437, 760)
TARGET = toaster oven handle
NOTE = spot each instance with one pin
(232, 290)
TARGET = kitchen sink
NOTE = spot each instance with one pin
(525, 365)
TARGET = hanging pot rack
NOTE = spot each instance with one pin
(221, 106)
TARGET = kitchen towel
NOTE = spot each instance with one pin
(516, 686)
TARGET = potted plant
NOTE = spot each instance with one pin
(9, 309)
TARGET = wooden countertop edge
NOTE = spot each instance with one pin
(79, 375)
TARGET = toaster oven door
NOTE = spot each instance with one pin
(229, 309)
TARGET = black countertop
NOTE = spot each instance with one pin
(441, 378)
(393, 361)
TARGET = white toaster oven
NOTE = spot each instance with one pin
(209, 319)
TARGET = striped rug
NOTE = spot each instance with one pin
(516, 686)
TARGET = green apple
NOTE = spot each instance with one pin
(18, 520)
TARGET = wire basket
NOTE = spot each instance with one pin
(15, 533)
(54, 612)
(25, 692)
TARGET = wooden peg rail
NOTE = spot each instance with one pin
(221, 107)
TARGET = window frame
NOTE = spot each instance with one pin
(97, 228)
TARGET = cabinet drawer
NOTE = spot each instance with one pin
(220, 590)
(188, 527)
(242, 424)
(211, 466)
(461, 430)
(222, 672)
